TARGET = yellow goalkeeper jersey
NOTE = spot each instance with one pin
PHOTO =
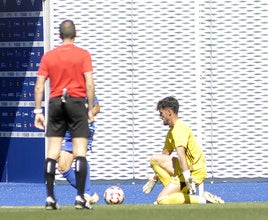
(182, 135)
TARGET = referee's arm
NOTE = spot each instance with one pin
(39, 120)
(38, 91)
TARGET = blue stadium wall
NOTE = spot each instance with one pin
(22, 146)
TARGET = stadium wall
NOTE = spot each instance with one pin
(22, 149)
(211, 55)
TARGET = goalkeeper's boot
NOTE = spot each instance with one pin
(51, 204)
(210, 198)
(80, 203)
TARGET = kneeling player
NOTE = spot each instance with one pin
(179, 175)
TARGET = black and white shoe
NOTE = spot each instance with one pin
(51, 204)
(80, 203)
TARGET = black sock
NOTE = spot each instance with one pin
(50, 165)
(81, 173)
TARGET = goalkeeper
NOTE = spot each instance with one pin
(182, 174)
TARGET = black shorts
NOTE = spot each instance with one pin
(70, 115)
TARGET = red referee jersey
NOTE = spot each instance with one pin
(65, 67)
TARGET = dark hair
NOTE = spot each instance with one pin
(67, 29)
(168, 102)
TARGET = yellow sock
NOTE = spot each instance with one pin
(178, 198)
(162, 175)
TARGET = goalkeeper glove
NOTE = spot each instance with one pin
(148, 187)
(189, 182)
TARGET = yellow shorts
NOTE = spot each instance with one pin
(198, 176)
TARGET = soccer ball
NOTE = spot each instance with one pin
(114, 195)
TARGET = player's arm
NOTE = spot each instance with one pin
(182, 158)
(185, 169)
(96, 109)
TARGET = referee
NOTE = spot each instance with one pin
(69, 69)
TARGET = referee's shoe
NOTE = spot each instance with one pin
(51, 204)
(80, 203)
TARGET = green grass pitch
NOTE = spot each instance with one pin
(228, 211)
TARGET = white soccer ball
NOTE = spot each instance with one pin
(114, 195)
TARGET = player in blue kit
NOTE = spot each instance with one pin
(66, 159)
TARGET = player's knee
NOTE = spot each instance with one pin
(65, 161)
(60, 169)
(153, 159)
(63, 166)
